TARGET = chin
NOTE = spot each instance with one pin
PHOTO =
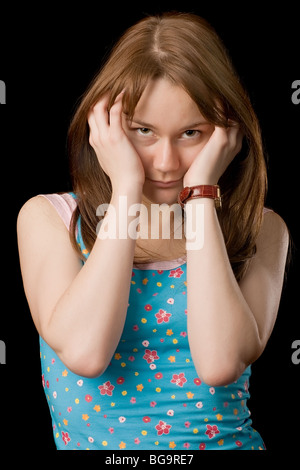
(162, 196)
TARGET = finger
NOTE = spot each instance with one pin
(100, 113)
(115, 113)
(94, 132)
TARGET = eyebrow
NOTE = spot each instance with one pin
(150, 126)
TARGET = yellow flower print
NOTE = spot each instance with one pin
(190, 395)
(172, 358)
(219, 417)
(118, 356)
(64, 373)
(139, 387)
(169, 332)
(85, 417)
(172, 445)
(97, 408)
(145, 281)
(122, 445)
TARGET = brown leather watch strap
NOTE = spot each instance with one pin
(211, 191)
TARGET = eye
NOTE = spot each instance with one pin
(144, 131)
(191, 133)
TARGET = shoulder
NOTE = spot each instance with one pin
(37, 213)
(41, 227)
(273, 232)
(43, 238)
(44, 210)
(272, 245)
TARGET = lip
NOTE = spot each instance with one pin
(164, 184)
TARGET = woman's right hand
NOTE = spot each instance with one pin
(114, 151)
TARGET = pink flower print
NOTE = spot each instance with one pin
(176, 272)
(211, 430)
(106, 388)
(150, 356)
(136, 440)
(162, 428)
(43, 380)
(65, 437)
(153, 404)
(179, 379)
(186, 445)
(162, 316)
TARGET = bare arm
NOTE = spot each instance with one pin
(229, 324)
(80, 311)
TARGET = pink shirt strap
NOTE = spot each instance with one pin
(65, 204)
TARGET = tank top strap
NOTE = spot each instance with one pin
(64, 203)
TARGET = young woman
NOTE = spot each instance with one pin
(147, 341)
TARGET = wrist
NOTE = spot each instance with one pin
(202, 191)
(132, 190)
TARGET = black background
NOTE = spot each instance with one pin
(49, 54)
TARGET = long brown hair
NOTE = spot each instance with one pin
(184, 49)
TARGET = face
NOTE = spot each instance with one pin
(168, 132)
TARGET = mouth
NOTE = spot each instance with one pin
(165, 184)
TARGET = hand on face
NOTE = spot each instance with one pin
(223, 145)
(114, 151)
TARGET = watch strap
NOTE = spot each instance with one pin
(211, 191)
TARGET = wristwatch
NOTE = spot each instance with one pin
(211, 191)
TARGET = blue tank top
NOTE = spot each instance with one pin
(150, 396)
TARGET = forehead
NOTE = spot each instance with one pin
(163, 103)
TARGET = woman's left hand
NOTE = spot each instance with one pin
(223, 145)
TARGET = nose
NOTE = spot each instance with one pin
(166, 156)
